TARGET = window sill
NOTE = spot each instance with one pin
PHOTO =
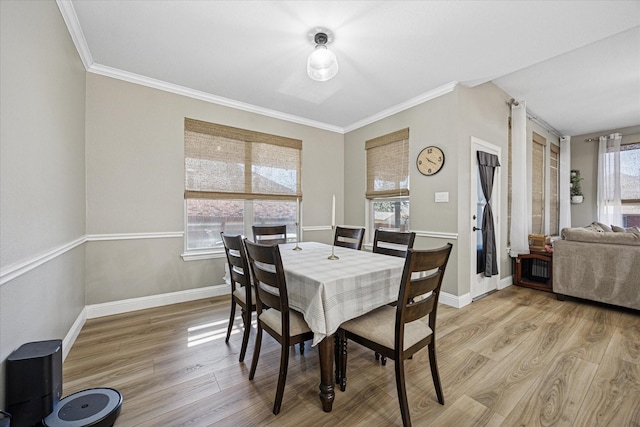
(203, 254)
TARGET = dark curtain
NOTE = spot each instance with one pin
(487, 164)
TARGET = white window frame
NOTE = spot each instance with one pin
(371, 215)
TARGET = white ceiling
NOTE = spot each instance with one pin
(575, 63)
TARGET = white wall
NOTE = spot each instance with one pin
(42, 176)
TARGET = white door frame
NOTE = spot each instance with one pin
(482, 285)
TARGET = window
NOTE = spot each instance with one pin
(630, 184)
(235, 178)
(388, 181)
(554, 190)
(537, 184)
(545, 186)
(390, 214)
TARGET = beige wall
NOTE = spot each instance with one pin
(42, 206)
(584, 157)
(135, 184)
(449, 122)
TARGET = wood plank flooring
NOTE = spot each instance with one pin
(518, 357)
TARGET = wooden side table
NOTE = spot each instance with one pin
(535, 270)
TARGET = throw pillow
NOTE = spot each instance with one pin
(598, 227)
(634, 230)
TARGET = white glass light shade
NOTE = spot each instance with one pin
(322, 64)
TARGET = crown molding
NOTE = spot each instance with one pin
(427, 96)
(204, 96)
(75, 30)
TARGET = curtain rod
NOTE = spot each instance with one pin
(531, 116)
(544, 124)
(597, 138)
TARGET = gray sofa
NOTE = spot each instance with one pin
(598, 266)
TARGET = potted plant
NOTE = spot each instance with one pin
(576, 191)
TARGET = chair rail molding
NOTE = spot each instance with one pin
(16, 270)
(436, 234)
(134, 236)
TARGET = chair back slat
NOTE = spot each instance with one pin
(393, 243)
(424, 285)
(269, 234)
(349, 237)
(237, 259)
(268, 276)
(419, 309)
(421, 264)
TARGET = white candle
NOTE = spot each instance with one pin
(298, 210)
(333, 212)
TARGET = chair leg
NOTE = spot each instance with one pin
(282, 378)
(337, 355)
(302, 347)
(231, 319)
(402, 392)
(256, 352)
(246, 318)
(343, 362)
(382, 358)
(434, 372)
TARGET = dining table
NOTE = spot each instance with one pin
(329, 292)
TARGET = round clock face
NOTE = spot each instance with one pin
(430, 160)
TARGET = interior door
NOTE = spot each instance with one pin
(480, 284)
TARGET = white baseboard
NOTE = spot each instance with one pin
(454, 300)
(133, 304)
(73, 333)
(507, 281)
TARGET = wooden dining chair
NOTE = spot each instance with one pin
(392, 243)
(270, 234)
(349, 237)
(399, 332)
(242, 292)
(288, 327)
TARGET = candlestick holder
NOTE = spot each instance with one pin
(333, 256)
(297, 248)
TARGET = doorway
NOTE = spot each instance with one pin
(481, 284)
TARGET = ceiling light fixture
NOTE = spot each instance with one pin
(322, 64)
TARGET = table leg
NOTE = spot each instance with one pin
(327, 379)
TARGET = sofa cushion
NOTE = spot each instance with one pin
(598, 226)
(617, 229)
(587, 235)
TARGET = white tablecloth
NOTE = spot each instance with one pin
(330, 292)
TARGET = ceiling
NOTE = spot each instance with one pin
(575, 63)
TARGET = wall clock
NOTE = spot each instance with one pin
(430, 160)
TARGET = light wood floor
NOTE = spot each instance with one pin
(518, 357)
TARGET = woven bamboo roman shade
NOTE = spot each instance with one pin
(223, 162)
(537, 184)
(388, 165)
